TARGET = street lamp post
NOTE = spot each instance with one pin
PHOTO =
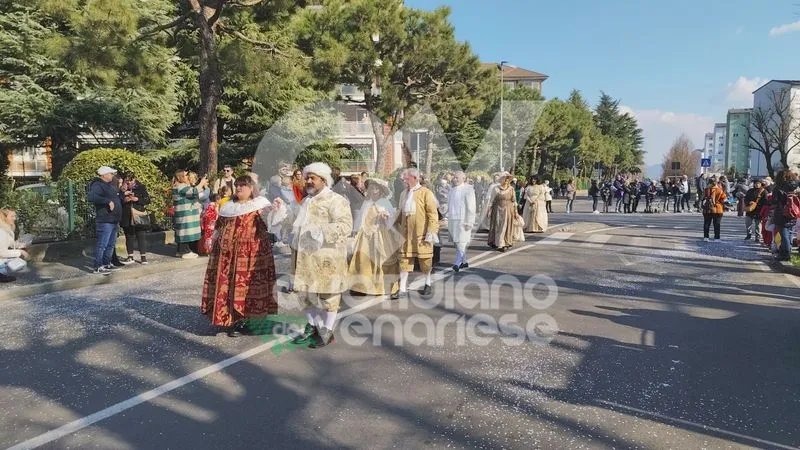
(502, 88)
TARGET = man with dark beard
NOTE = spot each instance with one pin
(321, 228)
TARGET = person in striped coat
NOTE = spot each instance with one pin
(185, 199)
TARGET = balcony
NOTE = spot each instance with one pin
(348, 128)
(357, 165)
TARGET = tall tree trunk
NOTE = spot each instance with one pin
(770, 169)
(63, 150)
(784, 158)
(210, 89)
(542, 163)
(381, 141)
(4, 157)
(533, 161)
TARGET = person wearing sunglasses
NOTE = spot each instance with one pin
(227, 179)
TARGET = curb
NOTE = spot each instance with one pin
(786, 267)
(54, 251)
(88, 279)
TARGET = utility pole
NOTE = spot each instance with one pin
(502, 88)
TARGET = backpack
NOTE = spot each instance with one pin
(792, 208)
(708, 204)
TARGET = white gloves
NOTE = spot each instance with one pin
(431, 238)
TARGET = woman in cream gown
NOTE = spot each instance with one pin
(502, 215)
(374, 266)
(535, 211)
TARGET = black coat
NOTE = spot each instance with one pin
(140, 192)
(751, 196)
(101, 194)
(779, 196)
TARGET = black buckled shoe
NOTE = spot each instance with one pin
(464, 266)
(324, 337)
(426, 291)
(307, 336)
(238, 329)
(456, 268)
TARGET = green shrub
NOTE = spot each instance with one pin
(39, 213)
(83, 169)
(6, 186)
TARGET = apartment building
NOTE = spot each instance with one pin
(718, 151)
(514, 77)
(737, 148)
(764, 99)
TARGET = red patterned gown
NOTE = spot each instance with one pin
(240, 278)
(208, 225)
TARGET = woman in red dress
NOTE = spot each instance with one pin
(298, 186)
(240, 278)
(207, 225)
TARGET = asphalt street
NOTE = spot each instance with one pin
(622, 331)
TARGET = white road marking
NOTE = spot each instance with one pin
(597, 241)
(610, 228)
(793, 279)
(555, 238)
(510, 252)
(117, 408)
(695, 425)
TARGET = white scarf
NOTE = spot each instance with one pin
(301, 222)
(235, 209)
(410, 206)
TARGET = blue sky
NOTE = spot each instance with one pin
(678, 65)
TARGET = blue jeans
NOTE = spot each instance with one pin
(106, 240)
(786, 242)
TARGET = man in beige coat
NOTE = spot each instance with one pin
(321, 228)
(418, 223)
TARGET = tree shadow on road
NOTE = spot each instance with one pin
(733, 374)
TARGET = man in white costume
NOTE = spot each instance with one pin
(320, 231)
(461, 217)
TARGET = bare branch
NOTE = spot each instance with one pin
(195, 5)
(245, 3)
(212, 19)
(179, 21)
(266, 46)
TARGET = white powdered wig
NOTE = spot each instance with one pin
(321, 170)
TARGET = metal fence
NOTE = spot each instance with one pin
(55, 211)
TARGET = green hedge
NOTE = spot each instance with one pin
(83, 169)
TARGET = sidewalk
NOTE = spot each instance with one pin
(73, 273)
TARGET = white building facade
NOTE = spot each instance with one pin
(764, 99)
(718, 147)
(708, 146)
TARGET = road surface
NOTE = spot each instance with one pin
(627, 331)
